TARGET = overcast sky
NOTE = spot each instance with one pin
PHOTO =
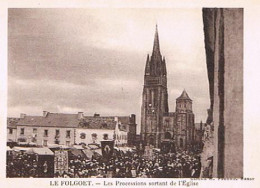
(93, 60)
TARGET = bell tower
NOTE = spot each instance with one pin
(155, 96)
(185, 126)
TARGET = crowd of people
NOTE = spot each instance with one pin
(21, 164)
(130, 165)
(181, 164)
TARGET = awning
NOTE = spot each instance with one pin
(40, 151)
(77, 152)
(94, 146)
(98, 151)
(88, 153)
(78, 147)
(21, 148)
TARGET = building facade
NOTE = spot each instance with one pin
(155, 96)
(93, 128)
(69, 129)
(157, 123)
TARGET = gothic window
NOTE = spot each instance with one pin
(151, 139)
(167, 135)
(181, 142)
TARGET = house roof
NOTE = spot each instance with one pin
(40, 151)
(12, 122)
(184, 95)
(51, 120)
(71, 121)
(109, 122)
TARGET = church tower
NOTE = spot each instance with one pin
(155, 96)
(185, 126)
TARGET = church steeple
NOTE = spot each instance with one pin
(155, 96)
(156, 44)
(147, 66)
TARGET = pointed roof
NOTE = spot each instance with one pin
(147, 66)
(184, 95)
(156, 44)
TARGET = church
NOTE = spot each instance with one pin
(159, 127)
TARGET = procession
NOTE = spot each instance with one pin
(87, 163)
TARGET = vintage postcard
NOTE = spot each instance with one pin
(129, 94)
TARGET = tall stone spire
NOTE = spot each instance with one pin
(156, 44)
(147, 66)
(155, 96)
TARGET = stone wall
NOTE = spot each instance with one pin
(223, 30)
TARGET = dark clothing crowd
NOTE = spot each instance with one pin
(131, 165)
(180, 164)
(21, 165)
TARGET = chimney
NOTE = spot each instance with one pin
(45, 113)
(80, 115)
(22, 115)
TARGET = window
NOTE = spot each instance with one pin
(57, 142)
(94, 137)
(67, 143)
(22, 131)
(45, 142)
(57, 132)
(34, 130)
(10, 131)
(45, 133)
(105, 136)
(82, 135)
(22, 140)
(67, 134)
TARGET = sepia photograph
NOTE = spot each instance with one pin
(125, 93)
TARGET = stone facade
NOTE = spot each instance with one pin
(114, 129)
(223, 30)
(155, 96)
(67, 129)
(157, 124)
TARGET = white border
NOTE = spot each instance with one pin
(251, 79)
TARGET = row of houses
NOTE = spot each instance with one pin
(70, 129)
